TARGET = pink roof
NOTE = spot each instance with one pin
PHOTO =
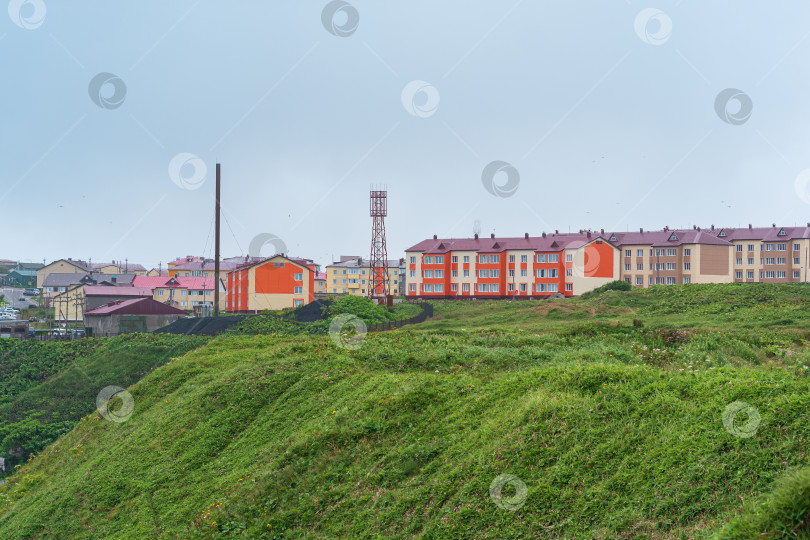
(551, 242)
(136, 306)
(320, 275)
(767, 234)
(305, 263)
(101, 290)
(153, 282)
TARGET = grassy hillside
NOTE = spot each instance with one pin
(46, 387)
(615, 430)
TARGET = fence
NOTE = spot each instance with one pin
(427, 312)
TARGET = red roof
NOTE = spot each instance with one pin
(551, 242)
(672, 237)
(102, 290)
(135, 306)
(153, 282)
(305, 263)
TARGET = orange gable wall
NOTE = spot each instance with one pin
(276, 280)
(599, 260)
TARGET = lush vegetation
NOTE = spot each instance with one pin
(46, 387)
(615, 429)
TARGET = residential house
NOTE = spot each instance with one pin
(127, 316)
(62, 266)
(351, 275)
(180, 291)
(21, 278)
(274, 283)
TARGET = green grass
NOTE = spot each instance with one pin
(47, 387)
(616, 430)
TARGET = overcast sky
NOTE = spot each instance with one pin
(603, 114)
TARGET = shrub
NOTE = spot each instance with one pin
(617, 285)
(361, 307)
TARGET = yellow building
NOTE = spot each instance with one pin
(61, 266)
(351, 276)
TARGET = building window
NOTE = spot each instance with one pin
(770, 260)
(438, 288)
(554, 258)
(797, 274)
(750, 274)
(769, 274)
(159, 292)
(660, 252)
(438, 274)
(781, 260)
(454, 259)
(524, 258)
(466, 258)
(510, 287)
(454, 287)
(411, 287)
(494, 259)
(522, 287)
(738, 274)
(427, 287)
(750, 261)
(651, 279)
(569, 257)
(628, 252)
(687, 266)
(670, 266)
(780, 274)
(796, 247)
(542, 258)
(494, 273)
(511, 258)
(639, 280)
(781, 247)
(511, 273)
(428, 274)
(739, 247)
(465, 287)
(627, 279)
(412, 273)
(483, 273)
(299, 277)
(465, 273)
(569, 287)
(769, 247)
(523, 272)
(298, 290)
(687, 279)
(639, 253)
(428, 259)
(439, 259)
(455, 273)
(413, 260)
(738, 261)
(672, 252)
(569, 272)
(298, 303)
(750, 247)
(796, 260)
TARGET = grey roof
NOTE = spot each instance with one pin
(65, 280)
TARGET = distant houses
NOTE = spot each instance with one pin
(273, 283)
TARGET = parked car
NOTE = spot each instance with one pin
(32, 319)
(26, 292)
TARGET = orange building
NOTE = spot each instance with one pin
(527, 267)
(274, 283)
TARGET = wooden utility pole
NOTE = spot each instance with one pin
(216, 249)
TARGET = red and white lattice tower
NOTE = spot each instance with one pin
(379, 289)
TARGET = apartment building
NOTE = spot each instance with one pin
(527, 267)
(768, 254)
(669, 257)
(351, 275)
(274, 283)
